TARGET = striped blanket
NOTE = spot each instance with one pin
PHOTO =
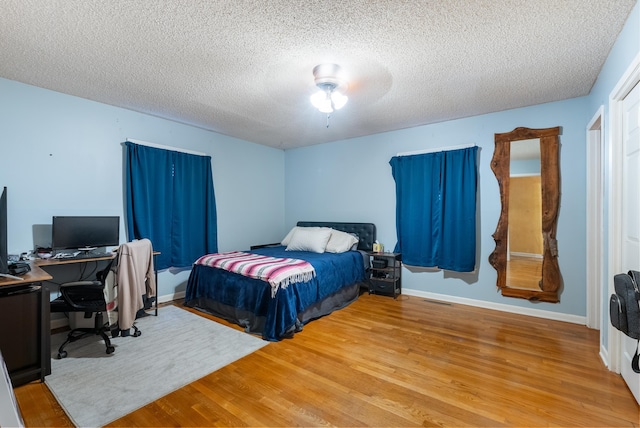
(278, 272)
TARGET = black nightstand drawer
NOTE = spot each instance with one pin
(382, 287)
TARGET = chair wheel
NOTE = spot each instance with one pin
(137, 333)
(62, 355)
(110, 349)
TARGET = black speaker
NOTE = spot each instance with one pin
(19, 268)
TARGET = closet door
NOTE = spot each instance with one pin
(630, 232)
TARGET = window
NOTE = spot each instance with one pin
(436, 208)
(170, 200)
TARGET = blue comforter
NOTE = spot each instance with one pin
(333, 272)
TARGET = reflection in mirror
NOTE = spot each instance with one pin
(526, 165)
(524, 248)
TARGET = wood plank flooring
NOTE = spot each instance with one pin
(524, 272)
(404, 362)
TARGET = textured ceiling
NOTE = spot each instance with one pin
(244, 68)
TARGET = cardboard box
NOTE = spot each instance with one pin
(77, 320)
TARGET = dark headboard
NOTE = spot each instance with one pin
(366, 232)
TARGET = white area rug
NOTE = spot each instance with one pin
(175, 348)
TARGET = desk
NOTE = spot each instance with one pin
(25, 320)
(25, 327)
(59, 262)
(36, 274)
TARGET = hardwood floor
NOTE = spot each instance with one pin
(404, 362)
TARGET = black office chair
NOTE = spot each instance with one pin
(87, 297)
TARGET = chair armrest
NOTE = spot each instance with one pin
(81, 283)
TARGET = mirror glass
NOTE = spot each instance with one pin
(526, 165)
(524, 246)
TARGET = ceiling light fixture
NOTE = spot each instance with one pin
(331, 87)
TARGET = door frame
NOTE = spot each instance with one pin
(595, 224)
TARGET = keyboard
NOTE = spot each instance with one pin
(81, 255)
(91, 255)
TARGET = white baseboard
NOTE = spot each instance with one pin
(529, 255)
(62, 322)
(574, 319)
(170, 297)
(59, 323)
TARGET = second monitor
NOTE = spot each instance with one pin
(84, 233)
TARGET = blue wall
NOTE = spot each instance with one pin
(351, 181)
(62, 155)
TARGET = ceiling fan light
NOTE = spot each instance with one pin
(338, 100)
(328, 78)
(322, 102)
(326, 107)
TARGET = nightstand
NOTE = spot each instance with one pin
(385, 274)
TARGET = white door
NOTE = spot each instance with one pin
(630, 255)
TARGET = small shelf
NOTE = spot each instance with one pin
(385, 274)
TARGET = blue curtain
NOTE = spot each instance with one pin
(436, 208)
(170, 200)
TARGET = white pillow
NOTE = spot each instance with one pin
(287, 238)
(285, 241)
(314, 240)
(340, 242)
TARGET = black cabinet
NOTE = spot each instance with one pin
(385, 275)
(24, 332)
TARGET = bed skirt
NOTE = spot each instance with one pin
(255, 324)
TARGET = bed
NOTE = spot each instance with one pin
(278, 312)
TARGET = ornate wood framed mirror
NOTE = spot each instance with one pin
(526, 164)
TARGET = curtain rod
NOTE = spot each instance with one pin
(439, 149)
(160, 146)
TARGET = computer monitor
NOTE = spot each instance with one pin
(4, 251)
(84, 233)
